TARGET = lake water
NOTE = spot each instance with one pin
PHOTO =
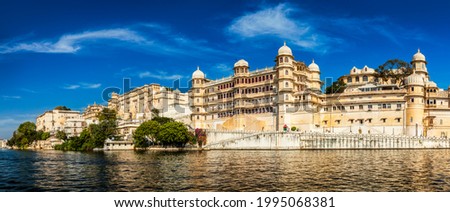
(325, 170)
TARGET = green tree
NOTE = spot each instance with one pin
(162, 120)
(146, 134)
(173, 134)
(394, 69)
(61, 135)
(102, 131)
(28, 129)
(24, 135)
(61, 108)
(337, 87)
(107, 115)
(43, 135)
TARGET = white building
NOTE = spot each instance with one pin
(3, 143)
(71, 122)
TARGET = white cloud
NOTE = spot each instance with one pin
(9, 121)
(11, 97)
(223, 67)
(82, 85)
(90, 85)
(160, 75)
(28, 90)
(144, 37)
(71, 43)
(275, 21)
(359, 27)
(71, 87)
(315, 32)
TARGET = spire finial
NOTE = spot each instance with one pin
(313, 61)
(418, 50)
(284, 43)
(198, 67)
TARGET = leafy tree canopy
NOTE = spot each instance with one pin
(174, 134)
(146, 134)
(394, 69)
(107, 115)
(61, 108)
(162, 120)
(337, 87)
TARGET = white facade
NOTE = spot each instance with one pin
(71, 122)
(3, 143)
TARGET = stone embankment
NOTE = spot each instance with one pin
(296, 140)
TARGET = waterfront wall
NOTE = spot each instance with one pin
(294, 140)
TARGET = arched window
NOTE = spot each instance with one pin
(281, 59)
(286, 59)
(356, 79)
(286, 72)
(365, 78)
(286, 84)
(349, 79)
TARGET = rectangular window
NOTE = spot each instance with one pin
(399, 106)
(361, 107)
(369, 106)
(352, 107)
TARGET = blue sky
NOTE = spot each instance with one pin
(67, 52)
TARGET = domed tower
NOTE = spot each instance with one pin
(419, 64)
(241, 68)
(285, 84)
(415, 105)
(196, 98)
(316, 84)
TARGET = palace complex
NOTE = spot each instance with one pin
(282, 97)
(289, 95)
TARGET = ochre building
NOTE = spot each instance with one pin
(289, 95)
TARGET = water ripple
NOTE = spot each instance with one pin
(337, 170)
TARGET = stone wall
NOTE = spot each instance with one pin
(294, 140)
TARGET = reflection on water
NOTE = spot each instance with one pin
(334, 170)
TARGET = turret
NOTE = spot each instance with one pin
(316, 84)
(196, 98)
(419, 64)
(285, 85)
(415, 106)
(241, 68)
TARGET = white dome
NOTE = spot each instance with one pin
(431, 84)
(314, 67)
(414, 79)
(241, 62)
(284, 50)
(418, 56)
(198, 74)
